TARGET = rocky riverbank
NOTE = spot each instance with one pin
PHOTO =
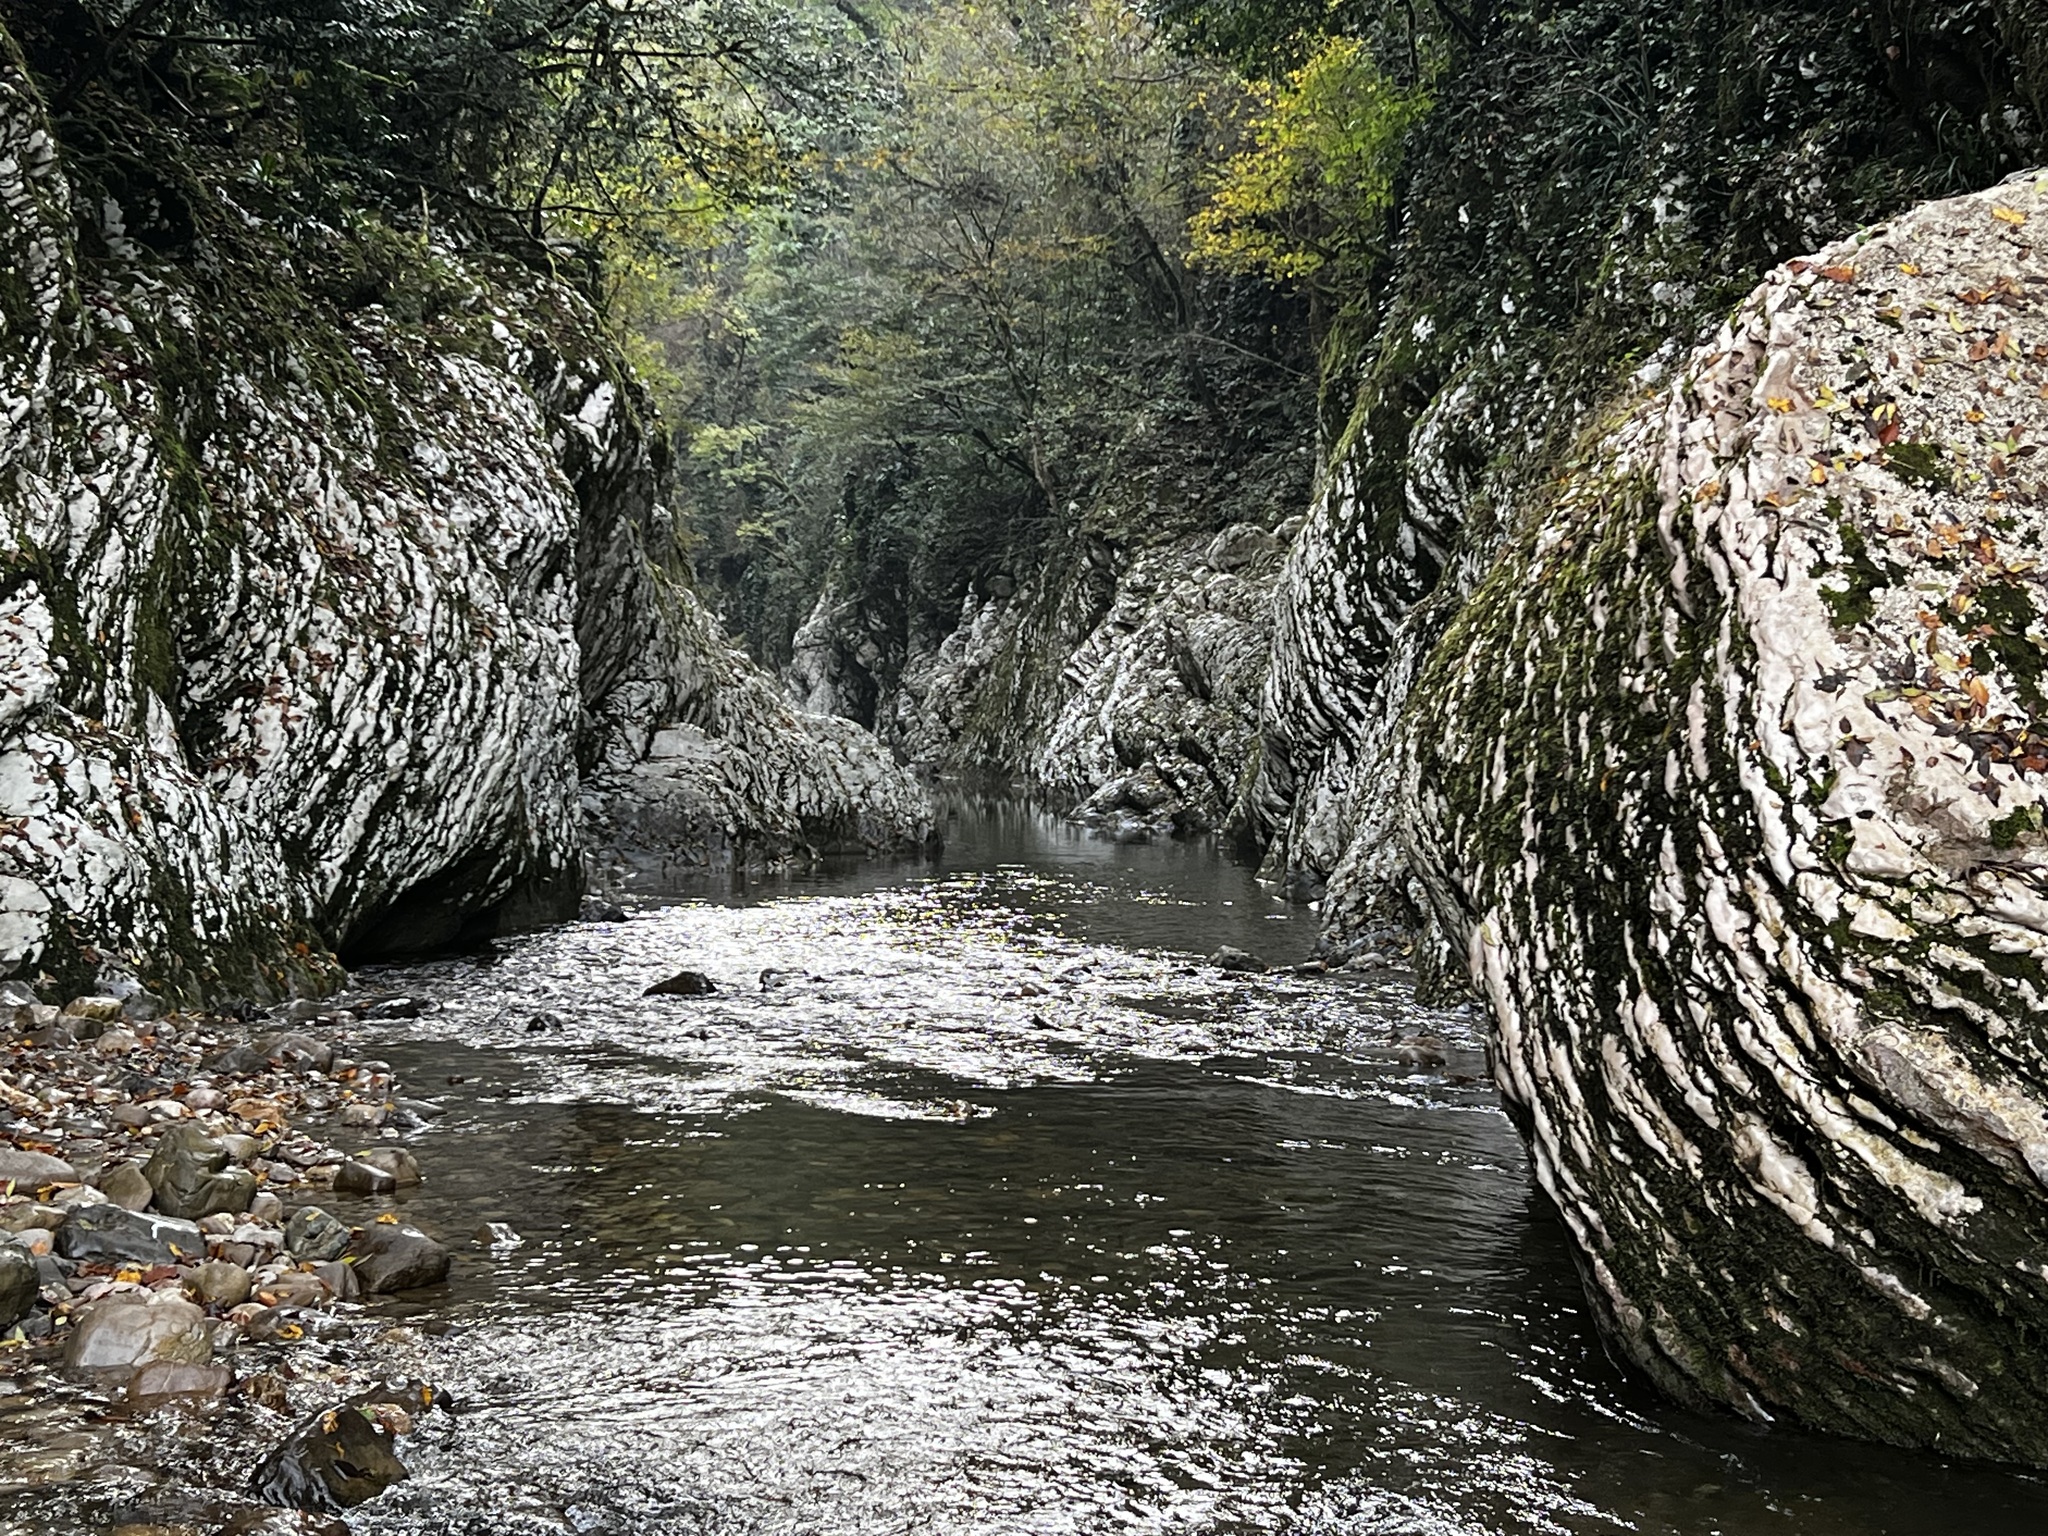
(193, 1210)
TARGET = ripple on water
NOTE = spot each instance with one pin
(985, 1218)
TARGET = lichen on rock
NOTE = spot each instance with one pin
(1728, 784)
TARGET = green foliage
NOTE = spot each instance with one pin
(585, 117)
(978, 334)
(1313, 189)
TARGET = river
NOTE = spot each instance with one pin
(990, 1211)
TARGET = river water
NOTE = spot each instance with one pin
(993, 1212)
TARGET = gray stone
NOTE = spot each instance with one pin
(18, 994)
(23, 1215)
(362, 1178)
(339, 1279)
(396, 1257)
(191, 1175)
(266, 1209)
(31, 1171)
(218, 1283)
(107, 1234)
(1241, 961)
(163, 1380)
(340, 1457)
(127, 1186)
(19, 1283)
(682, 984)
(314, 1235)
(403, 1167)
(300, 1052)
(125, 1334)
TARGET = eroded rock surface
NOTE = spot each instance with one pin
(1729, 783)
(1147, 721)
(334, 578)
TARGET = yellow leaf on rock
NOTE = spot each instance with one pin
(1778, 402)
(2007, 215)
(1909, 268)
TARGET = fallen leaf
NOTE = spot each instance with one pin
(1839, 274)
(1778, 402)
(2007, 215)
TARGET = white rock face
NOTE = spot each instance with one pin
(317, 611)
(1146, 718)
(1729, 783)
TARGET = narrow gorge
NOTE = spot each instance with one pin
(1200, 766)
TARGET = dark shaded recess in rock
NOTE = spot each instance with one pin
(441, 913)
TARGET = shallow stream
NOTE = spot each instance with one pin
(994, 1213)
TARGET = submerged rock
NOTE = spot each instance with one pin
(682, 984)
(1242, 961)
(389, 1256)
(1730, 782)
(342, 1456)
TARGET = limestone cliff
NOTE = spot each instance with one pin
(1128, 689)
(332, 553)
(1729, 785)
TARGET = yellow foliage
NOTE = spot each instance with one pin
(1326, 142)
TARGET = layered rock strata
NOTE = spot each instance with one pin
(331, 563)
(1728, 783)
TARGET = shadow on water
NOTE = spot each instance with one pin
(991, 1212)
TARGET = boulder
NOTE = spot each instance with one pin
(314, 1236)
(1731, 785)
(126, 1333)
(395, 1257)
(108, 1234)
(19, 1282)
(191, 1175)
